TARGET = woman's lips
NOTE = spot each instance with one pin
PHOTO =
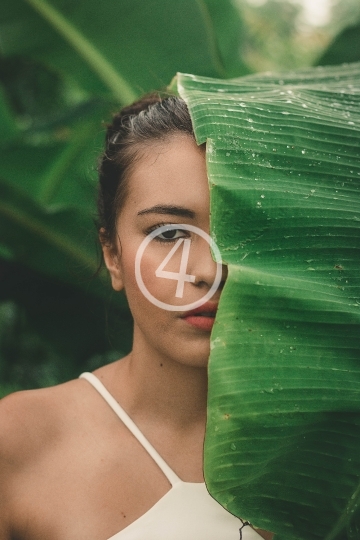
(202, 317)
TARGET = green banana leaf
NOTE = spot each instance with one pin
(283, 436)
(57, 313)
(8, 125)
(64, 68)
(47, 200)
(49, 167)
(122, 48)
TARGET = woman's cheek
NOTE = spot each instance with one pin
(153, 262)
(159, 287)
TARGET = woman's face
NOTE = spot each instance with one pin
(167, 185)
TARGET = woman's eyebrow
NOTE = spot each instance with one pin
(169, 210)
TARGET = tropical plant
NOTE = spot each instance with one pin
(287, 459)
(283, 441)
(65, 67)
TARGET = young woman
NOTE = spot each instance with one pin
(117, 454)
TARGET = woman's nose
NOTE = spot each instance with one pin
(206, 270)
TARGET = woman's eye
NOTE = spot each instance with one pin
(171, 234)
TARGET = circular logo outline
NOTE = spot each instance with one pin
(164, 305)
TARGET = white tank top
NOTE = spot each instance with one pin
(186, 511)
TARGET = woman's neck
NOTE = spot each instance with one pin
(149, 384)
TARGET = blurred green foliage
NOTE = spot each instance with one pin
(64, 68)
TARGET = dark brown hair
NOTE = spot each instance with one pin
(152, 118)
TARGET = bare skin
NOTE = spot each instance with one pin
(69, 469)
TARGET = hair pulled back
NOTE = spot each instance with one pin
(152, 118)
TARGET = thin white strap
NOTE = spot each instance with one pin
(125, 418)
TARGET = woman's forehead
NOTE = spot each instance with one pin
(170, 173)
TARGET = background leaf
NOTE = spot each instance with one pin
(283, 445)
(50, 330)
(142, 60)
(345, 48)
(65, 68)
(226, 32)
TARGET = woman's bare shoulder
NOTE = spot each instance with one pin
(32, 419)
(30, 424)
(37, 429)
